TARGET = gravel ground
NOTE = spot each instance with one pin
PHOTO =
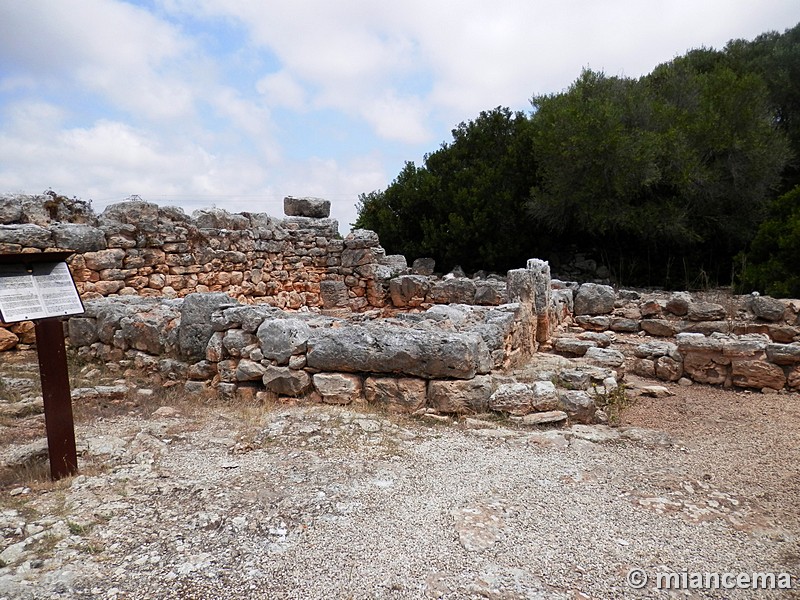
(181, 500)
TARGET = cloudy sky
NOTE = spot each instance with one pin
(238, 103)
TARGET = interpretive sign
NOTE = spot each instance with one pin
(37, 291)
(38, 287)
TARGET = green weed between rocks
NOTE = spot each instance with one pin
(613, 402)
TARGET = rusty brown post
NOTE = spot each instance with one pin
(57, 400)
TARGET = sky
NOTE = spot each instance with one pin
(236, 104)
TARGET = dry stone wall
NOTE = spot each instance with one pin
(744, 341)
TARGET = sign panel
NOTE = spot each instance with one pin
(38, 291)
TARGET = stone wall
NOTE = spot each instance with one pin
(747, 341)
(137, 248)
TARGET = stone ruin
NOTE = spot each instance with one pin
(253, 306)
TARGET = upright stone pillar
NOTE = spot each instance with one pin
(543, 298)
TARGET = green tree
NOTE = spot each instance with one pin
(465, 206)
(774, 256)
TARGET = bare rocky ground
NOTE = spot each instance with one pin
(192, 498)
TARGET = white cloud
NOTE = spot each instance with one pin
(282, 90)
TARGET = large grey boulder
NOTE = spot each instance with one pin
(767, 308)
(396, 394)
(306, 207)
(286, 381)
(282, 338)
(31, 236)
(391, 349)
(80, 238)
(409, 290)
(196, 326)
(594, 299)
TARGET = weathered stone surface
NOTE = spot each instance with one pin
(409, 290)
(423, 266)
(660, 327)
(520, 286)
(596, 323)
(453, 291)
(757, 374)
(578, 404)
(80, 238)
(28, 235)
(706, 311)
(678, 303)
(249, 370)
(104, 259)
(605, 357)
(697, 342)
(746, 346)
(236, 340)
(397, 394)
(668, 369)
(461, 396)
(545, 396)
(490, 292)
(575, 379)
(512, 398)
(334, 294)
(643, 367)
(281, 338)
(479, 527)
(306, 207)
(702, 368)
(339, 388)
(196, 328)
(654, 349)
(572, 346)
(624, 325)
(594, 299)
(545, 418)
(793, 380)
(362, 238)
(285, 381)
(784, 354)
(8, 340)
(767, 308)
(379, 348)
(10, 209)
(706, 327)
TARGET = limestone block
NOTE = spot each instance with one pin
(234, 340)
(382, 348)
(757, 374)
(396, 394)
(668, 369)
(605, 357)
(338, 388)
(678, 303)
(409, 290)
(104, 259)
(767, 308)
(706, 311)
(77, 237)
(594, 299)
(784, 354)
(306, 207)
(703, 368)
(249, 370)
(461, 396)
(285, 381)
(196, 327)
(512, 398)
(643, 367)
(545, 396)
(593, 323)
(423, 266)
(31, 236)
(578, 404)
(660, 327)
(572, 346)
(449, 291)
(655, 349)
(334, 294)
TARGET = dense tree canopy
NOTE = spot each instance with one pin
(466, 206)
(664, 178)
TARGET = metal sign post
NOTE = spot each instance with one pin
(39, 287)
